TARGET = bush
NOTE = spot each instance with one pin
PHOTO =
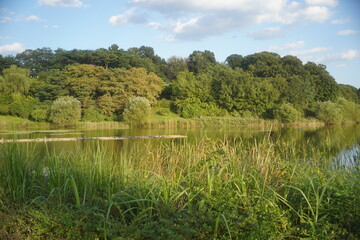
(65, 110)
(286, 113)
(137, 111)
(193, 107)
(351, 110)
(21, 105)
(93, 115)
(329, 112)
(39, 115)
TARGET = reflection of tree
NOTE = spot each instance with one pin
(324, 143)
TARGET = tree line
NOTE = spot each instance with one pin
(101, 83)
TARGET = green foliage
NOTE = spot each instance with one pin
(351, 110)
(349, 93)
(106, 78)
(225, 189)
(65, 111)
(137, 111)
(193, 107)
(39, 115)
(329, 112)
(92, 115)
(22, 106)
(286, 113)
(326, 89)
(199, 61)
(50, 86)
(15, 80)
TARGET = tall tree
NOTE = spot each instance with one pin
(326, 88)
(234, 60)
(16, 80)
(198, 61)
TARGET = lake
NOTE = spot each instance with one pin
(341, 143)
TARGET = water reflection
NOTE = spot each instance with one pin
(340, 143)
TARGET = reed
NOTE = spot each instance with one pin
(208, 189)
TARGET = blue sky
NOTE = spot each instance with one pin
(322, 31)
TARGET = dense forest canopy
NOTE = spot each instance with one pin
(261, 84)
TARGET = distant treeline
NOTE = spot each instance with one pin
(262, 85)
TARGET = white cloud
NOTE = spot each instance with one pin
(52, 26)
(348, 32)
(129, 16)
(154, 25)
(341, 21)
(61, 3)
(5, 19)
(287, 46)
(349, 54)
(180, 27)
(194, 20)
(330, 3)
(339, 58)
(309, 51)
(12, 48)
(317, 13)
(33, 18)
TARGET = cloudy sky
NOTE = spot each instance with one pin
(322, 31)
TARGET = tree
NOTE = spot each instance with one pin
(65, 111)
(50, 86)
(329, 112)
(175, 66)
(16, 80)
(198, 61)
(22, 106)
(349, 93)
(326, 88)
(234, 60)
(84, 81)
(38, 60)
(263, 64)
(286, 113)
(137, 111)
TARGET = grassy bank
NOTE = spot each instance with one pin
(156, 121)
(208, 190)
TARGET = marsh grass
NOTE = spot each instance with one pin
(209, 189)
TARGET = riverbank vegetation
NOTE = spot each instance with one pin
(263, 188)
(261, 85)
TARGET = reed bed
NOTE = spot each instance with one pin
(210, 189)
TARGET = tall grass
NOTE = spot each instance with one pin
(226, 189)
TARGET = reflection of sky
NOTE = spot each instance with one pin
(348, 158)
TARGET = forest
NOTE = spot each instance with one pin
(62, 86)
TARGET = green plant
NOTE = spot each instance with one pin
(329, 112)
(137, 111)
(286, 113)
(93, 115)
(65, 110)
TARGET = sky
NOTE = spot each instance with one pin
(321, 31)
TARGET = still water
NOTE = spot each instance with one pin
(341, 143)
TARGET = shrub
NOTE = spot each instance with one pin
(193, 107)
(21, 105)
(286, 113)
(351, 110)
(65, 110)
(329, 112)
(39, 115)
(93, 115)
(137, 111)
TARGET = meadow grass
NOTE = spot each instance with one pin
(210, 189)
